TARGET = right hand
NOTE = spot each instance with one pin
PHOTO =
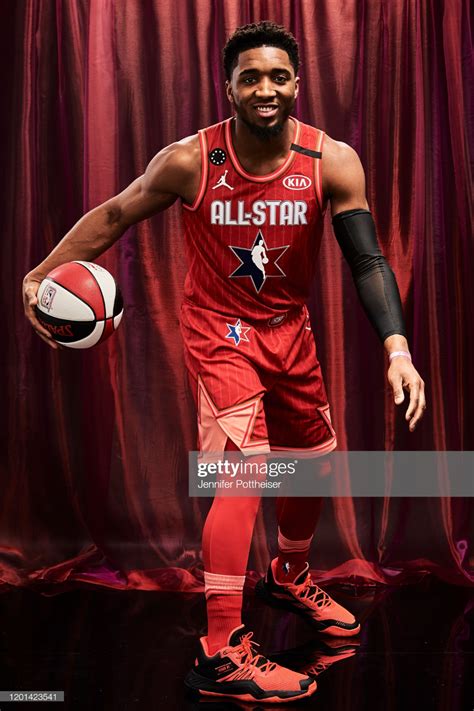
(31, 285)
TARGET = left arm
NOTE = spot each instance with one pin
(344, 185)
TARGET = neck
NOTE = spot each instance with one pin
(247, 143)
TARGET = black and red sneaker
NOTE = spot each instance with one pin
(307, 599)
(238, 671)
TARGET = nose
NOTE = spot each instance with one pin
(265, 88)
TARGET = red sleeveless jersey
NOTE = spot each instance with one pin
(253, 240)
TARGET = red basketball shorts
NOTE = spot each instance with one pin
(258, 385)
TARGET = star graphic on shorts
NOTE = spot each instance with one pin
(237, 332)
(258, 261)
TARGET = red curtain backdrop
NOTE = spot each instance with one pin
(94, 444)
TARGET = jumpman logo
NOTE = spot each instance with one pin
(222, 182)
(259, 256)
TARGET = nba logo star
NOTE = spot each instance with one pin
(237, 332)
(258, 262)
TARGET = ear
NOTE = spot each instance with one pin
(297, 86)
(228, 91)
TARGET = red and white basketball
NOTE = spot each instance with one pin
(80, 304)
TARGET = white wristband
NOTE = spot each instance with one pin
(393, 355)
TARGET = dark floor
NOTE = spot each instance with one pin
(113, 650)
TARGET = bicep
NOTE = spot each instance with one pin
(147, 195)
(347, 181)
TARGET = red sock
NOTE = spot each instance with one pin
(224, 607)
(297, 519)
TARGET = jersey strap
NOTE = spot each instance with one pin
(306, 151)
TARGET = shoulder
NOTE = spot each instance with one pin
(184, 156)
(175, 165)
(338, 155)
(340, 165)
(333, 151)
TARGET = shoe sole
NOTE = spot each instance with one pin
(334, 630)
(206, 687)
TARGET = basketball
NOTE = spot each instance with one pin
(80, 304)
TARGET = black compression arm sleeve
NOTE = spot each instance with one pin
(374, 280)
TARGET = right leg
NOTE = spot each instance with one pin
(227, 663)
(228, 529)
(229, 395)
(226, 541)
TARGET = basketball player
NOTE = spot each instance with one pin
(257, 184)
(259, 258)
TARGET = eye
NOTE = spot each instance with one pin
(249, 80)
(281, 79)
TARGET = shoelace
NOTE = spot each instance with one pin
(249, 656)
(309, 591)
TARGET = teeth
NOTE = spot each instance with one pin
(266, 108)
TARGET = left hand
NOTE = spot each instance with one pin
(402, 374)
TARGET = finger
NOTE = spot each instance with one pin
(49, 341)
(31, 315)
(37, 325)
(420, 411)
(414, 398)
(398, 394)
(31, 295)
(30, 298)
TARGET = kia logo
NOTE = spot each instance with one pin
(297, 182)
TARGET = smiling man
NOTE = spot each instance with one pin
(254, 191)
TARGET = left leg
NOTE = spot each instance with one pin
(297, 413)
(298, 419)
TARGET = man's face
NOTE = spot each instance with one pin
(263, 90)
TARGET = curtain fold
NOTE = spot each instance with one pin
(94, 444)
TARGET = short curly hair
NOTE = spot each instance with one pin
(258, 34)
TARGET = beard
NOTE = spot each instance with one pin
(263, 133)
(266, 133)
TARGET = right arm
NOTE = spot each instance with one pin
(172, 173)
